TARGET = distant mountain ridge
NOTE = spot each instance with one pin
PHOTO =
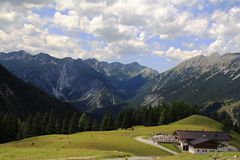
(199, 80)
(23, 99)
(207, 81)
(95, 86)
(87, 84)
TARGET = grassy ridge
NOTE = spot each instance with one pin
(101, 144)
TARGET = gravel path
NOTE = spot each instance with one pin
(150, 142)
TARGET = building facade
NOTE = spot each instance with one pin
(201, 142)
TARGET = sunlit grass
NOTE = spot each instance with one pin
(100, 144)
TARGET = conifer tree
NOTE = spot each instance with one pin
(82, 122)
(127, 119)
(95, 126)
(88, 126)
(12, 127)
(58, 126)
(44, 123)
(65, 125)
(37, 129)
(73, 124)
(119, 119)
(28, 131)
(50, 128)
(107, 122)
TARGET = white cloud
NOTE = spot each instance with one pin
(119, 27)
(70, 21)
(177, 53)
(225, 29)
(197, 27)
(26, 3)
(7, 16)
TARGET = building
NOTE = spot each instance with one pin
(200, 142)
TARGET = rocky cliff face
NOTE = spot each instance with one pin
(23, 99)
(88, 84)
(198, 80)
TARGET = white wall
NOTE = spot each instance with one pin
(204, 151)
(201, 150)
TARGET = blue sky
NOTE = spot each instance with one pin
(156, 33)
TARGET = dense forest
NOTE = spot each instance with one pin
(14, 128)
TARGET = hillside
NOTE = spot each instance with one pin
(198, 120)
(201, 80)
(87, 84)
(23, 99)
(108, 144)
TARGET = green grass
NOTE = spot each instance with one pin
(171, 147)
(212, 156)
(100, 144)
(199, 120)
(35, 153)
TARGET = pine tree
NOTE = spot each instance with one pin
(65, 125)
(119, 119)
(50, 128)
(73, 124)
(20, 134)
(37, 129)
(28, 131)
(138, 118)
(163, 117)
(107, 122)
(58, 126)
(12, 126)
(127, 121)
(95, 126)
(82, 122)
(43, 123)
(88, 126)
(150, 117)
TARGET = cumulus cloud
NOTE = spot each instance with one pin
(119, 27)
(26, 2)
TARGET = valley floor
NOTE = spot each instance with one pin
(106, 144)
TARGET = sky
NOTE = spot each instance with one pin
(156, 33)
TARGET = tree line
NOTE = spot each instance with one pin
(13, 128)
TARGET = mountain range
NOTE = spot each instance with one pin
(91, 85)
(87, 84)
(23, 98)
(200, 80)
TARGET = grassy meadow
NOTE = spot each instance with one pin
(212, 156)
(102, 144)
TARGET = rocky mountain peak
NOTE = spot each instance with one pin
(17, 55)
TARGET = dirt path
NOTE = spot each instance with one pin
(150, 142)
